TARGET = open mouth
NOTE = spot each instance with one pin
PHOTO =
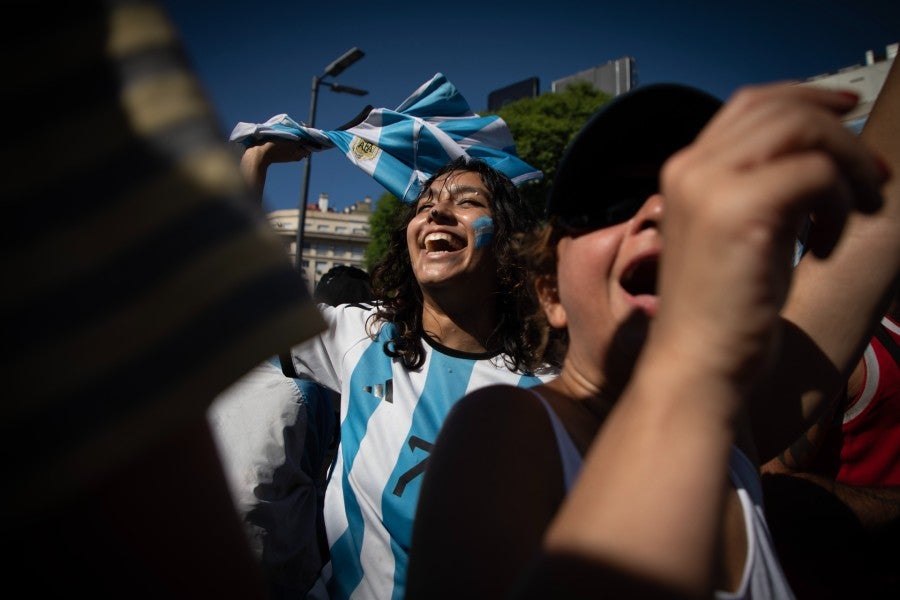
(640, 278)
(443, 242)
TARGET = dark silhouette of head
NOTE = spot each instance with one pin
(343, 284)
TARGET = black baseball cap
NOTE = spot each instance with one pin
(612, 165)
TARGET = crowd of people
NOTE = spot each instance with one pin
(617, 397)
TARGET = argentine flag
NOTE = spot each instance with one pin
(402, 148)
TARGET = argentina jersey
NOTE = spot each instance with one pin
(390, 417)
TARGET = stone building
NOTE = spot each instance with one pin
(329, 238)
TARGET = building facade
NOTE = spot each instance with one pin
(865, 79)
(527, 88)
(329, 238)
(615, 77)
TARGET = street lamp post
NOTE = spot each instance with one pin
(332, 70)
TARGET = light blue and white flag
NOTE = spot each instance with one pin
(402, 148)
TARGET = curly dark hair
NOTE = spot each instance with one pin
(537, 251)
(399, 298)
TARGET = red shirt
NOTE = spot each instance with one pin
(866, 449)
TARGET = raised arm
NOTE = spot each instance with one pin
(256, 160)
(835, 303)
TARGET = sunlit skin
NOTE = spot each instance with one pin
(606, 278)
(606, 297)
(442, 243)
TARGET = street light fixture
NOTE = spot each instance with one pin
(348, 58)
(344, 89)
(332, 70)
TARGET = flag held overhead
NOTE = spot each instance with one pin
(401, 148)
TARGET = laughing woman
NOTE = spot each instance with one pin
(450, 300)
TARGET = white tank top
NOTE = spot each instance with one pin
(763, 577)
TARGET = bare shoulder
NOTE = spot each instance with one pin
(506, 431)
(509, 410)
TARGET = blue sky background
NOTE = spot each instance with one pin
(256, 58)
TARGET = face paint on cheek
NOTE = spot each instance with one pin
(484, 231)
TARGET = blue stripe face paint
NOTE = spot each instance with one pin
(484, 231)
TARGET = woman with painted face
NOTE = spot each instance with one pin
(691, 351)
(450, 299)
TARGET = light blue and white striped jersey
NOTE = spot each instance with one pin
(390, 417)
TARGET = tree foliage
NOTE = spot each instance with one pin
(542, 128)
(381, 223)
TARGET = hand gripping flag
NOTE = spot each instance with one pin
(401, 148)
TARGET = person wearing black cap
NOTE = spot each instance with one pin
(636, 470)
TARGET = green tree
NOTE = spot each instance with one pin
(381, 224)
(542, 128)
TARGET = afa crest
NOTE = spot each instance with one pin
(364, 150)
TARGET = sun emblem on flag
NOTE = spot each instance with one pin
(363, 149)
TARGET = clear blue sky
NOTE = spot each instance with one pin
(256, 58)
